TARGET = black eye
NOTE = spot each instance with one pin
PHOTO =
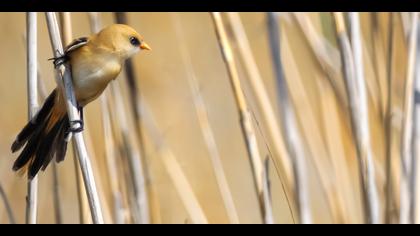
(134, 41)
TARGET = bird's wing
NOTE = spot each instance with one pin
(77, 43)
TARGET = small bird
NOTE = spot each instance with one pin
(94, 61)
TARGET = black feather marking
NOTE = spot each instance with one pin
(58, 142)
(77, 43)
(33, 124)
(44, 151)
(30, 148)
(62, 142)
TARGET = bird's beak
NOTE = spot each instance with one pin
(144, 46)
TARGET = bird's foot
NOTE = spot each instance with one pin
(76, 129)
(58, 61)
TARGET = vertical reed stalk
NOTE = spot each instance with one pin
(67, 86)
(201, 112)
(362, 123)
(289, 125)
(388, 122)
(352, 97)
(407, 130)
(244, 114)
(32, 63)
(66, 35)
(56, 195)
(134, 159)
(7, 206)
(261, 94)
(415, 210)
(174, 170)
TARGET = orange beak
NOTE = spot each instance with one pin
(144, 46)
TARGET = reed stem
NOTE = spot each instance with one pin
(289, 125)
(32, 64)
(67, 86)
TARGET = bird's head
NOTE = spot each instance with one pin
(123, 39)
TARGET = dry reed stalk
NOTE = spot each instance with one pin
(407, 137)
(269, 219)
(67, 86)
(244, 113)
(66, 35)
(335, 144)
(388, 122)
(282, 161)
(325, 54)
(289, 125)
(7, 205)
(32, 63)
(378, 55)
(201, 112)
(354, 103)
(173, 168)
(415, 209)
(363, 130)
(311, 136)
(111, 161)
(141, 202)
(406, 24)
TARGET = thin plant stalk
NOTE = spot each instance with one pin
(415, 210)
(66, 29)
(206, 130)
(311, 135)
(173, 168)
(363, 130)
(351, 90)
(32, 63)
(133, 157)
(267, 193)
(7, 206)
(388, 122)
(290, 129)
(56, 196)
(407, 125)
(269, 115)
(244, 114)
(111, 163)
(67, 86)
(66, 35)
(325, 55)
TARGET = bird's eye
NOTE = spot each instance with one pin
(134, 41)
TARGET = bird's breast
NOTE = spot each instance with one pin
(90, 78)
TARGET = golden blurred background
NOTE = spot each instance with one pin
(313, 70)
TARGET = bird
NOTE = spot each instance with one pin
(94, 62)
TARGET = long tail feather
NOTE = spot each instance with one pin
(44, 136)
(30, 127)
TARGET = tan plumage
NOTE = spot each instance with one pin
(94, 61)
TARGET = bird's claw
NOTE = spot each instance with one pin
(58, 61)
(79, 128)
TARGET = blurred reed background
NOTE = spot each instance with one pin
(233, 118)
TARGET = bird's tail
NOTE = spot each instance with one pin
(44, 135)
